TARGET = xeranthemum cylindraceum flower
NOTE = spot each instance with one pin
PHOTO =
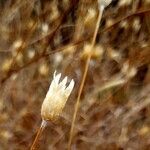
(56, 97)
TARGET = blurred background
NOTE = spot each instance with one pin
(40, 36)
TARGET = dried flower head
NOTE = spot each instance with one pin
(56, 97)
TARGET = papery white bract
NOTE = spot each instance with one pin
(56, 97)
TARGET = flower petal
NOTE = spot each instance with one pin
(69, 88)
(57, 78)
(62, 84)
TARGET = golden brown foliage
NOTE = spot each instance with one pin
(38, 37)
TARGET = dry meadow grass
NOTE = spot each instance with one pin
(40, 36)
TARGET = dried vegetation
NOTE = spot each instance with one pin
(40, 36)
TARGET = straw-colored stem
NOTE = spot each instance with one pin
(84, 78)
(38, 135)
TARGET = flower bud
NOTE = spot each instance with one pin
(56, 97)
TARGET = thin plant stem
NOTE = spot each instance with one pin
(84, 78)
(38, 135)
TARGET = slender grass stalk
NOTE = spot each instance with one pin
(34, 145)
(84, 78)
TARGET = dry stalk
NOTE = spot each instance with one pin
(38, 135)
(84, 78)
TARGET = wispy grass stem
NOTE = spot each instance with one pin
(84, 77)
